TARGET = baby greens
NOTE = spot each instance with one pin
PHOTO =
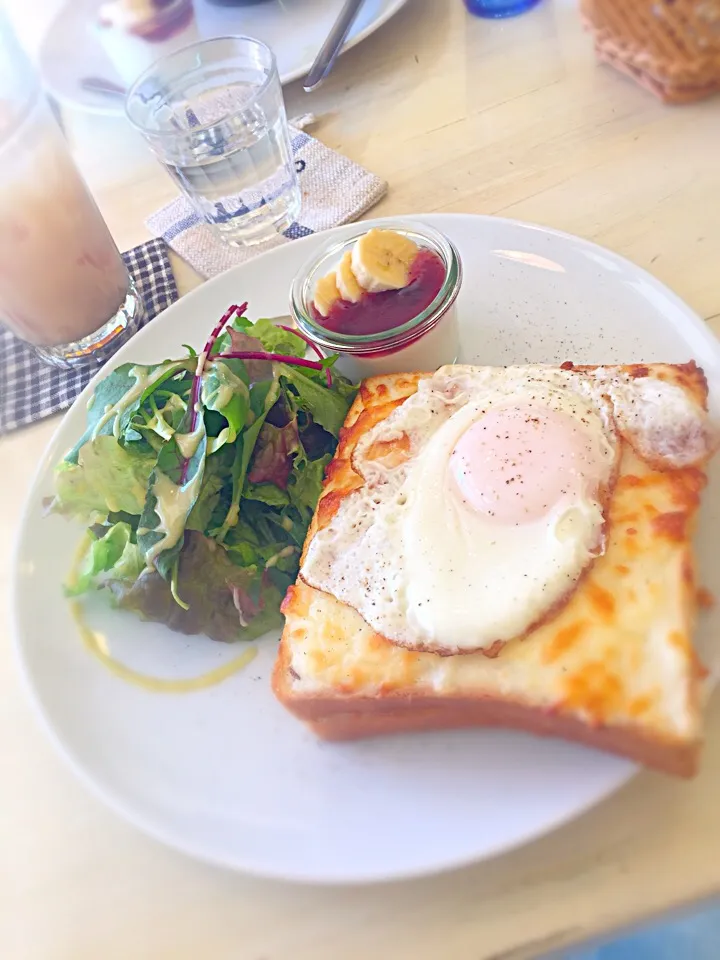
(198, 478)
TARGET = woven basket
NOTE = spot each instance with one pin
(671, 47)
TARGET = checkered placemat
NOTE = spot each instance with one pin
(31, 389)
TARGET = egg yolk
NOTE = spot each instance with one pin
(515, 463)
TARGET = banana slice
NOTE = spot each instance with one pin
(381, 260)
(326, 293)
(347, 283)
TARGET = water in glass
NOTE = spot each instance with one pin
(218, 124)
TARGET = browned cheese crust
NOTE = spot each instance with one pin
(388, 692)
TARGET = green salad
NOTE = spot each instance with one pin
(198, 478)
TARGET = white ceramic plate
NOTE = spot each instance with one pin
(295, 29)
(226, 774)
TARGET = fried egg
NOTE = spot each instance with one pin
(483, 504)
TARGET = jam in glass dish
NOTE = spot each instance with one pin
(383, 298)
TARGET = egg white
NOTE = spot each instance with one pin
(419, 564)
(469, 581)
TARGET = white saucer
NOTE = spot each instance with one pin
(295, 29)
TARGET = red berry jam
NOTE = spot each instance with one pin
(379, 312)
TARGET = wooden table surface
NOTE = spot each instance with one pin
(458, 114)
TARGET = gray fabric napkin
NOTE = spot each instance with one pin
(335, 190)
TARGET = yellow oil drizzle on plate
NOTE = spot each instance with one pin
(97, 645)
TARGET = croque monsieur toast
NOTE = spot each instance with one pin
(508, 547)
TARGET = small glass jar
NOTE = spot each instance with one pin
(422, 343)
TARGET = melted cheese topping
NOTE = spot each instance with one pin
(619, 652)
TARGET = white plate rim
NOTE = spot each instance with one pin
(125, 811)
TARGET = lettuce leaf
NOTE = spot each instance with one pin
(226, 390)
(172, 491)
(273, 456)
(201, 515)
(108, 394)
(105, 479)
(265, 334)
(224, 601)
(112, 551)
(266, 493)
(262, 398)
(256, 369)
(306, 485)
(328, 407)
(120, 395)
(275, 340)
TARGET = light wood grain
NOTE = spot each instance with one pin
(458, 114)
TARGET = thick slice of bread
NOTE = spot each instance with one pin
(614, 668)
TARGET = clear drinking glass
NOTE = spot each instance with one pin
(64, 287)
(214, 115)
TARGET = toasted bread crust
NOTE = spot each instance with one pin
(405, 701)
(337, 717)
(677, 759)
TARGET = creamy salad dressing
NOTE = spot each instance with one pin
(173, 505)
(189, 442)
(97, 644)
(143, 380)
(226, 387)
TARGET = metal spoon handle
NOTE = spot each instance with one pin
(332, 46)
(107, 88)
